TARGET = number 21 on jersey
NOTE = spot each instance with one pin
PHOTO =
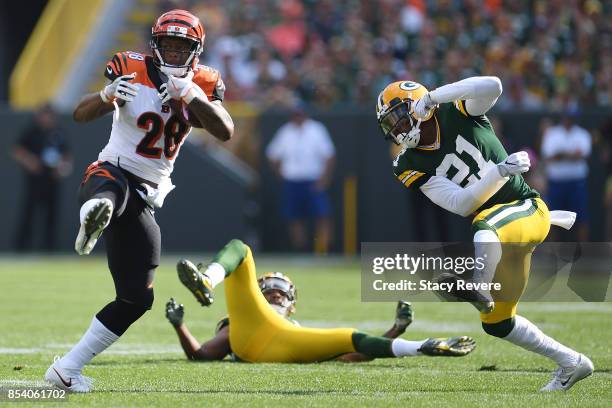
(464, 170)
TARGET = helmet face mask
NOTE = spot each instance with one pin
(394, 113)
(275, 283)
(398, 125)
(177, 39)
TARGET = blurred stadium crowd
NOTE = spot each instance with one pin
(550, 54)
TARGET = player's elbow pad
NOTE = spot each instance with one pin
(467, 205)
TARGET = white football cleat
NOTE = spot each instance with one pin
(95, 215)
(69, 380)
(565, 377)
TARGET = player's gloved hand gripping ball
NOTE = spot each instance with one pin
(182, 89)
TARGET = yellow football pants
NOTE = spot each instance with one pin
(520, 225)
(259, 334)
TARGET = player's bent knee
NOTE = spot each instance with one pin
(146, 299)
(499, 329)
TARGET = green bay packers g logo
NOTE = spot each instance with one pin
(409, 86)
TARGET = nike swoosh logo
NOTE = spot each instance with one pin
(109, 70)
(565, 383)
(67, 384)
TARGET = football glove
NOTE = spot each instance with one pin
(175, 312)
(182, 89)
(120, 88)
(514, 164)
(423, 106)
(403, 315)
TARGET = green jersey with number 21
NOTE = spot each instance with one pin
(466, 147)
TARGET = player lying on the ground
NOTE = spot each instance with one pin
(258, 327)
(451, 154)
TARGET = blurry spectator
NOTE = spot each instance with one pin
(547, 53)
(302, 155)
(43, 153)
(606, 143)
(565, 148)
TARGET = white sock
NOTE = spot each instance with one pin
(528, 336)
(95, 340)
(403, 348)
(216, 273)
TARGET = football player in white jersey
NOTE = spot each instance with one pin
(156, 100)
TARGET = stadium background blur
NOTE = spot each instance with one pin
(554, 59)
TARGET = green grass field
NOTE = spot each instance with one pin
(47, 303)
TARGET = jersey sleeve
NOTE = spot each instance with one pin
(407, 174)
(210, 81)
(117, 66)
(125, 63)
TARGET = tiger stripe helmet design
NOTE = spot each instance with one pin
(278, 281)
(394, 111)
(181, 24)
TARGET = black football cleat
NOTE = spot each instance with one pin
(195, 281)
(448, 347)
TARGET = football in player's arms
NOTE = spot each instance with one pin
(131, 176)
(261, 327)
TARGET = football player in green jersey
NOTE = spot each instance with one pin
(451, 154)
(259, 327)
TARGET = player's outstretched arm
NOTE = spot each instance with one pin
(479, 93)
(215, 349)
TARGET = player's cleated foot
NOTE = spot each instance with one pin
(565, 377)
(195, 281)
(95, 215)
(448, 347)
(477, 299)
(69, 380)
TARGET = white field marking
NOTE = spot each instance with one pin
(422, 325)
(578, 307)
(116, 349)
(24, 383)
(4, 350)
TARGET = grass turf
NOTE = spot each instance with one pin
(47, 303)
